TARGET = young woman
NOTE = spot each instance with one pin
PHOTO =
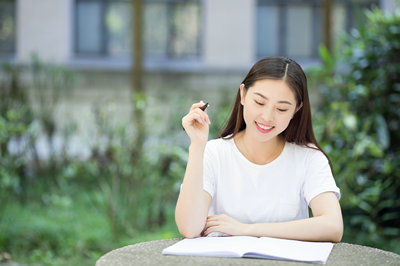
(260, 176)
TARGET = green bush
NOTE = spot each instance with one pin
(28, 99)
(16, 136)
(131, 188)
(13, 128)
(358, 125)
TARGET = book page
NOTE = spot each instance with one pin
(211, 246)
(291, 250)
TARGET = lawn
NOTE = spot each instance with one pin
(64, 230)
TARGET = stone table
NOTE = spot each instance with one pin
(149, 253)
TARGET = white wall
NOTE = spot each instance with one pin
(229, 33)
(44, 26)
(388, 6)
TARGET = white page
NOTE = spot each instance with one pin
(292, 250)
(211, 246)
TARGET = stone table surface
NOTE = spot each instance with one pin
(149, 253)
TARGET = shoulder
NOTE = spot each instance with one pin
(308, 152)
(216, 152)
(219, 144)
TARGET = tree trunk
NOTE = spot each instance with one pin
(137, 75)
(327, 24)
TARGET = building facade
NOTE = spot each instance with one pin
(193, 49)
(190, 35)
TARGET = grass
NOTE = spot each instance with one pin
(64, 231)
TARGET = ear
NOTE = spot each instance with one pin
(242, 93)
(298, 108)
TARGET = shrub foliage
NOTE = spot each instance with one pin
(359, 126)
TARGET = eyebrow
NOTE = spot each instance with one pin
(266, 98)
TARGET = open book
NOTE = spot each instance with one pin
(252, 247)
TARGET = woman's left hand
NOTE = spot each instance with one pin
(224, 224)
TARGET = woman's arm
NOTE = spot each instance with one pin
(193, 201)
(326, 225)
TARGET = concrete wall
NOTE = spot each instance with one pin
(229, 40)
(44, 27)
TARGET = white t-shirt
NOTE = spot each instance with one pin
(275, 192)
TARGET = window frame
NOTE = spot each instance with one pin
(316, 27)
(282, 6)
(105, 54)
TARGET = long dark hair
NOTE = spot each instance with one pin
(299, 130)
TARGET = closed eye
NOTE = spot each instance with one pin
(259, 103)
(282, 110)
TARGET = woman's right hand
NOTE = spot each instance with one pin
(196, 124)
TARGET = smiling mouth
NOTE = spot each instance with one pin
(264, 128)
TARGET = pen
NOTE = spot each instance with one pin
(203, 108)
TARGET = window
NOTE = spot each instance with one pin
(294, 27)
(7, 28)
(103, 28)
(289, 28)
(171, 28)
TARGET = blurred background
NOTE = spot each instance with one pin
(92, 93)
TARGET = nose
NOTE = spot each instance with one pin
(268, 114)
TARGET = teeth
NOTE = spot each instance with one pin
(264, 127)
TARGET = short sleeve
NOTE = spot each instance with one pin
(318, 176)
(210, 165)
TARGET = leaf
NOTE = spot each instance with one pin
(326, 58)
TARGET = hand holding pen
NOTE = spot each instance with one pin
(196, 123)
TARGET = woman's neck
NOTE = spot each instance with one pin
(259, 152)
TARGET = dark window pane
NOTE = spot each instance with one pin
(89, 21)
(267, 31)
(7, 27)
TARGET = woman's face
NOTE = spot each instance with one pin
(268, 107)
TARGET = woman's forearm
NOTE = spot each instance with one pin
(191, 208)
(321, 228)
